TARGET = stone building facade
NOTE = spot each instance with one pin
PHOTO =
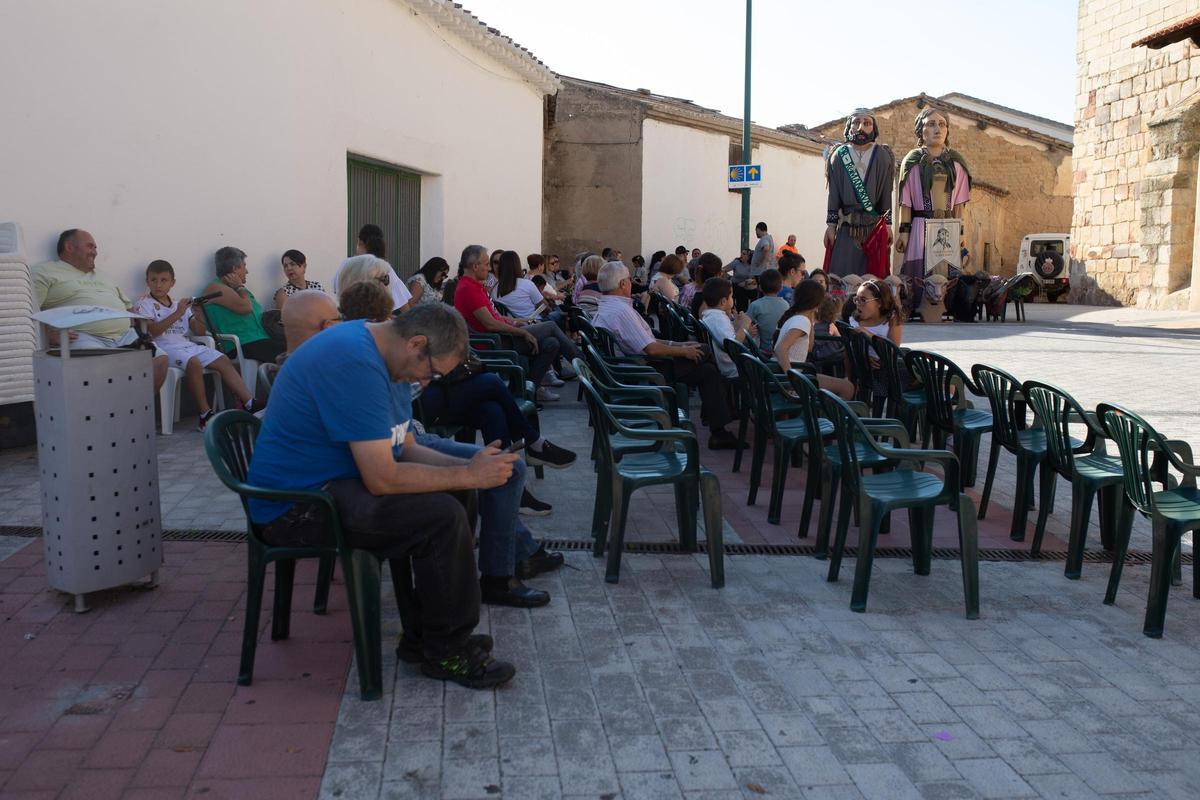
(641, 172)
(1020, 169)
(1137, 134)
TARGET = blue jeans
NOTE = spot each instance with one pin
(482, 402)
(503, 538)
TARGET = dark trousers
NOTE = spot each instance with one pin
(541, 361)
(742, 298)
(264, 351)
(440, 604)
(482, 402)
(705, 376)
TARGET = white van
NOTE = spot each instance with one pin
(1047, 257)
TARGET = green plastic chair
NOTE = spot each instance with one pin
(1147, 457)
(1091, 472)
(904, 488)
(1003, 393)
(825, 462)
(639, 407)
(676, 461)
(948, 410)
(229, 442)
(787, 435)
(735, 350)
(906, 405)
(858, 354)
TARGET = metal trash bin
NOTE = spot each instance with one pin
(101, 522)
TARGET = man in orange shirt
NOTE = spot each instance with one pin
(790, 247)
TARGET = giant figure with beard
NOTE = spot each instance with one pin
(934, 184)
(860, 175)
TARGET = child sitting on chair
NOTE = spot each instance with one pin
(170, 323)
(719, 318)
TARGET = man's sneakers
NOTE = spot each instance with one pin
(532, 507)
(567, 373)
(551, 379)
(203, 420)
(409, 649)
(547, 395)
(500, 591)
(549, 455)
(541, 561)
(470, 667)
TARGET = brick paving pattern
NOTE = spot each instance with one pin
(656, 687)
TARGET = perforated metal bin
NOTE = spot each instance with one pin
(98, 461)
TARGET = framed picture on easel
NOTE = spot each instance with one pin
(941, 246)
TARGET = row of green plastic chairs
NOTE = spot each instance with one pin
(788, 408)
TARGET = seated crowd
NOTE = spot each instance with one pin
(358, 371)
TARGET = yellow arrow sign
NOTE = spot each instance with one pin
(752, 172)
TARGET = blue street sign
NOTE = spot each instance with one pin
(745, 176)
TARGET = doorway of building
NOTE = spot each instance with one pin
(389, 197)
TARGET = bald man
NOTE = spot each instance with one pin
(306, 314)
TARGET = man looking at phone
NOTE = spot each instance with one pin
(333, 424)
(72, 281)
(508, 552)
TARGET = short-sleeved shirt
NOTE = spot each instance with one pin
(57, 283)
(290, 289)
(524, 299)
(333, 390)
(429, 294)
(766, 311)
(799, 349)
(764, 255)
(247, 327)
(616, 315)
(721, 328)
(470, 295)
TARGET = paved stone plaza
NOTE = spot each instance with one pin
(657, 687)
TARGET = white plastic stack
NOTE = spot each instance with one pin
(18, 337)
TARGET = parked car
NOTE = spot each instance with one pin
(1046, 256)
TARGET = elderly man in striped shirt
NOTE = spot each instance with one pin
(692, 365)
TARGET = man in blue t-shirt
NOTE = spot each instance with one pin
(332, 424)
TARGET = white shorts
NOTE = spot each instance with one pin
(178, 355)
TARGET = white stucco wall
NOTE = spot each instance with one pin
(171, 129)
(685, 199)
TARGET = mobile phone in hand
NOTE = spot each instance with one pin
(517, 446)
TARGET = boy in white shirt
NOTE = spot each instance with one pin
(170, 323)
(718, 298)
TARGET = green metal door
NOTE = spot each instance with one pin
(390, 198)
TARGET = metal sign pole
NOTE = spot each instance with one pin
(746, 136)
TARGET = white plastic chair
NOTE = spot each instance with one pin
(247, 366)
(168, 396)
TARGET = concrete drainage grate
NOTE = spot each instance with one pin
(674, 548)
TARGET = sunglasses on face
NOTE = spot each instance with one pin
(385, 279)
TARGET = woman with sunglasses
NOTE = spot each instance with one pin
(877, 312)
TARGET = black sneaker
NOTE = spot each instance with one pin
(501, 591)
(471, 668)
(541, 561)
(550, 455)
(202, 421)
(409, 651)
(532, 507)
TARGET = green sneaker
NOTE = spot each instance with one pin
(469, 667)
